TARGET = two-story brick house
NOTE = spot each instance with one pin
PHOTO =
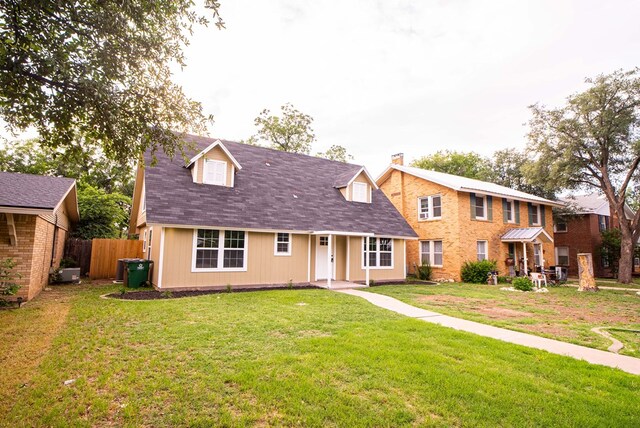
(582, 233)
(460, 219)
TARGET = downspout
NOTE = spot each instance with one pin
(55, 239)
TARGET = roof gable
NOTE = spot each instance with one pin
(216, 143)
(346, 178)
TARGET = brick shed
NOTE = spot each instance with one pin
(36, 215)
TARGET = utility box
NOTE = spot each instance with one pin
(69, 275)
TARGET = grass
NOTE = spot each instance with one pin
(292, 358)
(563, 313)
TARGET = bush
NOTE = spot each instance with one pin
(477, 272)
(522, 283)
(504, 280)
(8, 286)
(424, 271)
(68, 262)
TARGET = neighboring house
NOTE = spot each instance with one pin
(36, 214)
(459, 219)
(582, 233)
(243, 215)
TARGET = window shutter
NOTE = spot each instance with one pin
(504, 210)
(472, 199)
(542, 220)
(489, 208)
(530, 209)
(517, 208)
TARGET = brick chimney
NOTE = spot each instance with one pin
(397, 159)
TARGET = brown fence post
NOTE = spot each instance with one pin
(106, 252)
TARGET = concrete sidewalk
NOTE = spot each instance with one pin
(594, 356)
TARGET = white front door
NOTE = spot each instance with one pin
(322, 252)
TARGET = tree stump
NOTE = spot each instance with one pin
(585, 273)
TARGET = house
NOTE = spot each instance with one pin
(459, 219)
(581, 233)
(241, 215)
(36, 215)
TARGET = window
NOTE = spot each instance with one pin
(282, 244)
(430, 207)
(219, 250)
(215, 172)
(149, 243)
(535, 215)
(481, 207)
(380, 252)
(324, 241)
(359, 191)
(482, 250)
(431, 253)
(144, 199)
(560, 227)
(509, 212)
(603, 222)
(562, 256)
(144, 240)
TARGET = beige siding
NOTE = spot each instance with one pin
(217, 154)
(356, 271)
(347, 192)
(263, 267)
(341, 257)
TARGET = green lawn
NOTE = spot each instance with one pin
(563, 313)
(292, 358)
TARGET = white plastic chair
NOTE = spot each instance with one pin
(538, 279)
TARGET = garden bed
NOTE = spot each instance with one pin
(168, 294)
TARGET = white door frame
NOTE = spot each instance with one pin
(329, 253)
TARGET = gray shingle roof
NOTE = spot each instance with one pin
(295, 192)
(32, 191)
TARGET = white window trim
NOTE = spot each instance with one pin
(205, 168)
(149, 243)
(377, 267)
(511, 203)
(430, 216)
(275, 245)
(555, 228)
(364, 193)
(558, 255)
(221, 236)
(144, 199)
(432, 246)
(540, 255)
(486, 249)
(485, 210)
(537, 208)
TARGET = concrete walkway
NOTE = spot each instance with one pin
(594, 356)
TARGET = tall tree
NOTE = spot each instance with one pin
(99, 71)
(509, 168)
(290, 132)
(336, 153)
(465, 164)
(102, 214)
(594, 142)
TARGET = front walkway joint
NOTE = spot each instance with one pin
(593, 356)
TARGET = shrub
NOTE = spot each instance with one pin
(8, 286)
(477, 272)
(504, 280)
(68, 262)
(424, 272)
(522, 283)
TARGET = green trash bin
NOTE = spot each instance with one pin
(137, 272)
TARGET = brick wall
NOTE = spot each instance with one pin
(456, 229)
(582, 236)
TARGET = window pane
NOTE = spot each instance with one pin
(534, 216)
(425, 250)
(283, 237)
(424, 208)
(372, 259)
(207, 238)
(233, 259)
(385, 244)
(234, 239)
(437, 246)
(479, 206)
(206, 259)
(372, 244)
(437, 259)
(385, 259)
(482, 250)
(437, 206)
(283, 247)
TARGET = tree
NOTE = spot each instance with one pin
(469, 164)
(336, 153)
(610, 248)
(593, 142)
(290, 132)
(509, 169)
(102, 215)
(83, 162)
(99, 71)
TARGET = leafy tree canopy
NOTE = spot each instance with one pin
(99, 71)
(336, 153)
(593, 141)
(465, 164)
(102, 214)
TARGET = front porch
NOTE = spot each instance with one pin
(521, 256)
(338, 285)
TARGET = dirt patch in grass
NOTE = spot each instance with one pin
(504, 313)
(168, 294)
(443, 298)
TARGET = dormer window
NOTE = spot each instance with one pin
(360, 192)
(215, 172)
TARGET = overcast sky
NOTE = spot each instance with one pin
(381, 77)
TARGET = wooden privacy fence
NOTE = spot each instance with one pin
(80, 251)
(106, 252)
